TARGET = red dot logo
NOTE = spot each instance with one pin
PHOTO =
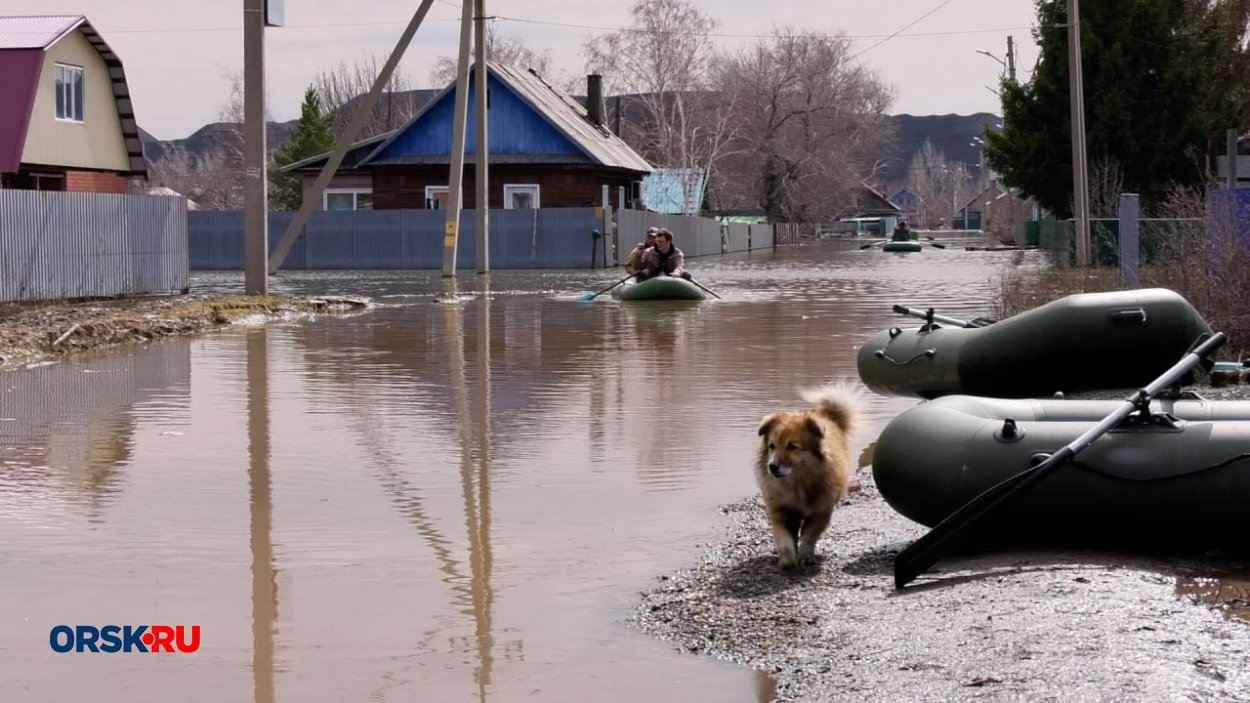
(148, 638)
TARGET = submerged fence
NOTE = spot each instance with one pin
(56, 245)
(413, 239)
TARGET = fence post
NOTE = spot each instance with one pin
(1130, 240)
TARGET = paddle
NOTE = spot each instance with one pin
(930, 317)
(709, 290)
(935, 245)
(586, 297)
(926, 551)
(874, 244)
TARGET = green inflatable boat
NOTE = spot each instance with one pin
(901, 246)
(659, 288)
(1176, 476)
(1119, 339)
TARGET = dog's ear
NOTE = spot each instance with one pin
(814, 428)
(766, 425)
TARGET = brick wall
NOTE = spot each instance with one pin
(94, 182)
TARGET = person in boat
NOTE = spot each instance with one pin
(902, 232)
(634, 263)
(663, 259)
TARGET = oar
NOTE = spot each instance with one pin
(935, 245)
(926, 551)
(874, 244)
(585, 297)
(709, 290)
(930, 316)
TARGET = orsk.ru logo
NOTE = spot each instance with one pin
(130, 638)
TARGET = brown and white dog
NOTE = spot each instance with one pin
(803, 468)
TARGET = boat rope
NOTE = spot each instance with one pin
(927, 353)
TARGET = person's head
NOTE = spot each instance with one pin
(650, 238)
(664, 240)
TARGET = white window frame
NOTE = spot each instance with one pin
(355, 193)
(431, 191)
(74, 108)
(511, 188)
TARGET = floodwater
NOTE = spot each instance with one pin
(456, 496)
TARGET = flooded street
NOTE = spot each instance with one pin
(455, 496)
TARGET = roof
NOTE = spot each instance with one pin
(20, 38)
(596, 142)
(36, 31)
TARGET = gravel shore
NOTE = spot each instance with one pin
(1027, 625)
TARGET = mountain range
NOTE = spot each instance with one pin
(950, 134)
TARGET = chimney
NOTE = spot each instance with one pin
(594, 98)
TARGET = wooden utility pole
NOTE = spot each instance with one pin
(455, 182)
(481, 162)
(1080, 179)
(1011, 58)
(255, 186)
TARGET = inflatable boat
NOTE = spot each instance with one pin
(659, 288)
(1089, 341)
(1178, 475)
(901, 246)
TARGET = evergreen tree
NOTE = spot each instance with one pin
(311, 136)
(1151, 109)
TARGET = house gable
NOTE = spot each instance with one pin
(516, 128)
(19, 79)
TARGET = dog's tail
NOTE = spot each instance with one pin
(837, 401)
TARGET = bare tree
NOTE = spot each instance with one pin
(503, 50)
(942, 186)
(664, 61)
(812, 123)
(1106, 182)
(343, 87)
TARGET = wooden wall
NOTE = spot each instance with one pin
(558, 187)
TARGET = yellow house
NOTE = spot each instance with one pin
(66, 119)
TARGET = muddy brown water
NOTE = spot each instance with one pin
(456, 496)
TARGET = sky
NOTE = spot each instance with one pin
(179, 55)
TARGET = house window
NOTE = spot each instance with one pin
(436, 197)
(520, 197)
(69, 93)
(347, 199)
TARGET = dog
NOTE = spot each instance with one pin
(803, 468)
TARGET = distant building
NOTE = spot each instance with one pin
(546, 150)
(66, 118)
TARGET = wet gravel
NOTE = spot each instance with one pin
(1021, 625)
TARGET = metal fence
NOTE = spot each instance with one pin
(406, 239)
(413, 239)
(57, 245)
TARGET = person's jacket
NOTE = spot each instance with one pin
(673, 263)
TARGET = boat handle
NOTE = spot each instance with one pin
(927, 353)
(1128, 316)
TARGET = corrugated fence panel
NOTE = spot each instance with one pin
(739, 237)
(57, 245)
(564, 238)
(761, 236)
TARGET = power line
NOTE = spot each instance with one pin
(940, 5)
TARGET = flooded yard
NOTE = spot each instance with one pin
(458, 495)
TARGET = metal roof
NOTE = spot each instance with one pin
(563, 112)
(42, 31)
(36, 31)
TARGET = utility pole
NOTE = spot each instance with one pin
(455, 183)
(1011, 59)
(255, 186)
(481, 165)
(1080, 179)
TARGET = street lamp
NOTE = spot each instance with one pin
(992, 56)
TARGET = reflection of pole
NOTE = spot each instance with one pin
(255, 190)
(482, 564)
(474, 507)
(483, 143)
(264, 586)
(455, 181)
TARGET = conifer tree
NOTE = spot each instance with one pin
(313, 135)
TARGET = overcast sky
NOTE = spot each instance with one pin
(178, 54)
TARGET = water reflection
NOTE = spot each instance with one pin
(1228, 593)
(264, 573)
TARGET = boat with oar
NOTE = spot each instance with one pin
(1089, 341)
(1180, 472)
(659, 288)
(901, 246)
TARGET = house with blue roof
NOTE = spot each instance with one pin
(545, 150)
